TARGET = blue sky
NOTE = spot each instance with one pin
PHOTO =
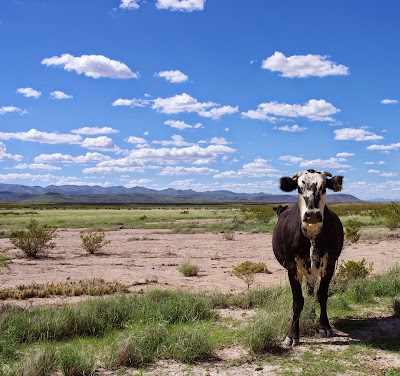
(203, 95)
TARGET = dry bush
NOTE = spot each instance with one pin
(93, 241)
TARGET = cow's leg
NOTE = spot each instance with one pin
(293, 336)
(322, 296)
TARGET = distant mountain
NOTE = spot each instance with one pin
(74, 194)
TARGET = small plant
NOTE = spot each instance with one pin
(247, 269)
(143, 217)
(43, 363)
(4, 260)
(75, 363)
(229, 235)
(35, 240)
(352, 230)
(185, 212)
(188, 269)
(349, 271)
(393, 216)
(93, 241)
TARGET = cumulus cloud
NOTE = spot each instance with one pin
(226, 175)
(179, 170)
(180, 103)
(173, 76)
(355, 134)
(37, 166)
(219, 141)
(59, 95)
(94, 130)
(293, 128)
(374, 163)
(131, 102)
(10, 109)
(301, 66)
(345, 154)
(181, 125)
(139, 142)
(100, 143)
(29, 92)
(258, 168)
(389, 101)
(66, 158)
(34, 135)
(95, 66)
(176, 140)
(316, 110)
(181, 5)
(27, 176)
(4, 156)
(389, 147)
(316, 163)
(252, 187)
(129, 4)
(217, 112)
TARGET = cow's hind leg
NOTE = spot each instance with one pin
(322, 296)
(293, 336)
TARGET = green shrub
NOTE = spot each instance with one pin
(349, 271)
(35, 240)
(229, 235)
(44, 363)
(247, 269)
(4, 260)
(189, 270)
(352, 230)
(93, 241)
(393, 216)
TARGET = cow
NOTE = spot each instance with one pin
(280, 209)
(307, 241)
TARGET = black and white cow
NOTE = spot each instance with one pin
(307, 241)
(280, 209)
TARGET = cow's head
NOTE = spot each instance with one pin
(311, 186)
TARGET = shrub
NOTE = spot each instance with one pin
(396, 307)
(393, 216)
(44, 363)
(246, 271)
(4, 260)
(93, 241)
(349, 271)
(35, 240)
(189, 270)
(229, 235)
(352, 230)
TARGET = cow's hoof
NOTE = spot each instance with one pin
(325, 332)
(291, 342)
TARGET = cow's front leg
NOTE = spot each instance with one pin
(322, 296)
(293, 336)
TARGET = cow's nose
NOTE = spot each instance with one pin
(313, 216)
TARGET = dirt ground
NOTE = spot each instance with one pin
(147, 259)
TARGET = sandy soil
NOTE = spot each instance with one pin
(145, 259)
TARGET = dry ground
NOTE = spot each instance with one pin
(146, 259)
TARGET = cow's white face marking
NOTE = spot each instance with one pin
(311, 199)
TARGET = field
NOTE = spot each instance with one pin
(209, 323)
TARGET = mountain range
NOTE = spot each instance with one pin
(74, 194)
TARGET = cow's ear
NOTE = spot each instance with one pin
(288, 184)
(335, 183)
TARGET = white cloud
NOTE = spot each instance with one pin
(59, 95)
(10, 177)
(219, 141)
(252, 187)
(180, 103)
(65, 158)
(375, 163)
(226, 175)
(139, 142)
(373, 171)
(4, 156)
(181, 5)
(354, 134)
(173, 76)
(99, 143)
(303, 66)
(179, 170)
(37, 166)
(176, 140)
(112, 170)
(345, 154)
(34, 135)
(293, 128)
(316, 110)
(217, 112)
(95, 66)
(94, 130)
(389, 174)
(29, 92)
(316, 163)
(258, 168)
(389, 101)
(129, 4)
(395, 146)
(189, 184)
(181, 125)
(131, 102)
(10, 109)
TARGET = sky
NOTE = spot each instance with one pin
(200, 94)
